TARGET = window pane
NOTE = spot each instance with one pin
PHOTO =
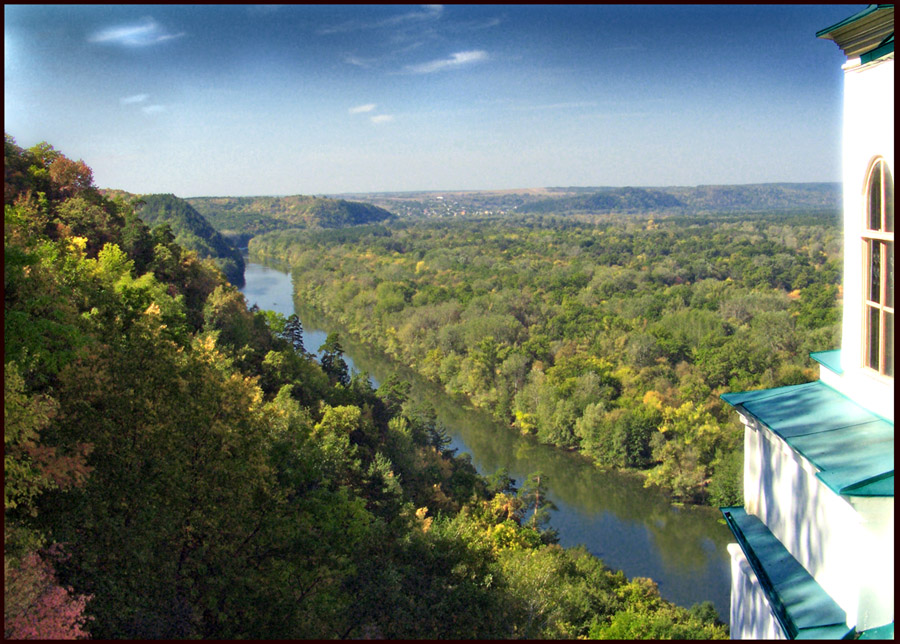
(888, 200)
(889, 344)
(875, 198)
(889, 269)
(874, 270)
(874, 337)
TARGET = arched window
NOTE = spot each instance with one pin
(878, 253)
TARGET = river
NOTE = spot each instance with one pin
(632, 528)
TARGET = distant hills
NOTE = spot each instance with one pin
(759, 197)
(240, 218)
(217, 227)
(614, 200)
(192, 231)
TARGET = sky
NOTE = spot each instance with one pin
(233, 100)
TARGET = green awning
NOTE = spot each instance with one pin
(829, 359)
(886, 47)
(885, 632)
(865, 34)
(872, 8)
(852, 447)
(803, 608)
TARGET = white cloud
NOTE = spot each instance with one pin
(366, 63)
(148, 32)
(559, 106)
(153, 109)
(359, 109)
(457, 60)
(428, 12)
(382, 118)
(137, 98)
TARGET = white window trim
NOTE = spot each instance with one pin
(868, 235)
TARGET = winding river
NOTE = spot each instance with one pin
(632, 528)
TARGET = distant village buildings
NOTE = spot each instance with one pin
(814, 551)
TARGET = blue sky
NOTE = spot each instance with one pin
(265, 99)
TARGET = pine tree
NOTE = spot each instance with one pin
(293, 333)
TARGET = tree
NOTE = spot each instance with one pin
(332, 361)
(36, 607)
(293, 333)
(534, 497)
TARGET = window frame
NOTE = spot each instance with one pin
(881, 239)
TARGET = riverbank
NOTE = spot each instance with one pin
(632, 528)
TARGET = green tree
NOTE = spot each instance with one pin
(534, 497)
(332, 359)
(293, 333)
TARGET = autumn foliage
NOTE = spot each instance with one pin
(37, 607)
(208, 479)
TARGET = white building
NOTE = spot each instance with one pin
(814, 557)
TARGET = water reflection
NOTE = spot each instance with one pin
(612, 514)
(630, 527)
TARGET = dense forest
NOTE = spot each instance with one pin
(178, 466)
(612, 336)
(748, 198)
(240, 218)
(191, 230)
(662, 201)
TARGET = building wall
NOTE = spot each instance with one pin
(874, 561)
(868, 132)
(751, 615)
(820, 529)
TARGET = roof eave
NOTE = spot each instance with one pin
(872, 8)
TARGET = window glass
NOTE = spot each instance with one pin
(874, 271)
(875, 198)
(888, 199)
(889, 275)
(874, 335)
(889, 344)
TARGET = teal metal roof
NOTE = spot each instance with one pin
(884, 48)
(885, 632)
(852, 447)
(856, 17)
(803, 609)
(866, 34)
(830, 359)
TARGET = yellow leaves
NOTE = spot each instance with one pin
(424, 521)
(251, 385)
(525, 421)
(653, 399)
(77, 245)
(508, 536)
(205, 346)
(153, 309)
(420, 266)
(340, 420)
(504, 536)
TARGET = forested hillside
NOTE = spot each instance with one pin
(192, 232)
(240, 218)
(178, 466)
(613, 336)
(763, 197)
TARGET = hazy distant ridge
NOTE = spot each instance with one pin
(243, 217)
(722, 198)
